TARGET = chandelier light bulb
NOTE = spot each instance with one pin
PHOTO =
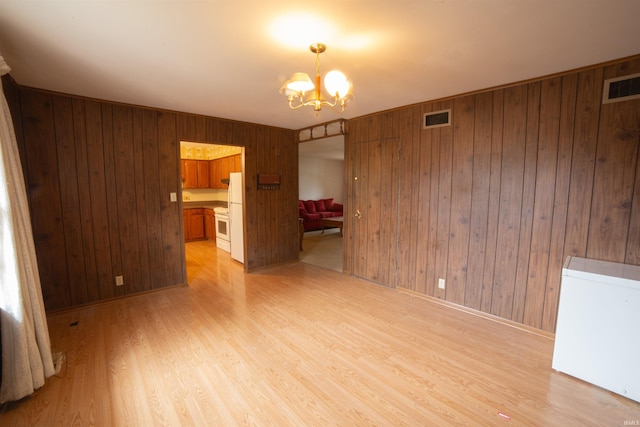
(336, 83)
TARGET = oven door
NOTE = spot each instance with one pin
(222, 227)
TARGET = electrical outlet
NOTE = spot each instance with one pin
(441, 283)
(119, 280)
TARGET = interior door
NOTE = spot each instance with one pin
(375, 201)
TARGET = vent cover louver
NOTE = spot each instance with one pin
(621, 89)
(437, 119)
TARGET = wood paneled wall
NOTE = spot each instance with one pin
(99, 177)
(526, 176)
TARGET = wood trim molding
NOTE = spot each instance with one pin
(473, 312)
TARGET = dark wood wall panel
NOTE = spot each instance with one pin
(140, 219)
(480, 191)
(528, 199)
(389, 201)
(417, 272)
(113, 237)
(495, 178)
(43, 183)
(526, 175)
(152, 196)
(511, 199)
(545, 176)
(534, 317)
(83, 289)
(442, 198)
(69, 195)
(616, 167)
(587, 113)
(99, 177)
(429, 198)
(98, 204)
(461, 183)
(171, 224)
(252, 223)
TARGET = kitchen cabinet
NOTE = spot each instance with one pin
(220, 169)
(214, 175)
(193, 219)
(237, 163)
(209, 224)
(195, 173)
(209, 173)
(189, 173)
(224, 170)
(202, 167)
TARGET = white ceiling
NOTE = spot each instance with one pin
(228, 58)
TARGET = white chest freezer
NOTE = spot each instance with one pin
(598, 327)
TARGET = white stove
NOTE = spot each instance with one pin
(223, 239)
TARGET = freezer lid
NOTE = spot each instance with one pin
(626, 275)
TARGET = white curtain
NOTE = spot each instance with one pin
(26, 349)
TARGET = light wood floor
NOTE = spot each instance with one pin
(298, 345)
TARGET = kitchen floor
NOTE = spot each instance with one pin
(210, 259)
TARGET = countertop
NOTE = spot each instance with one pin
(205, 205)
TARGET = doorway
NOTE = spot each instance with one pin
(205, 170)
(321, 176)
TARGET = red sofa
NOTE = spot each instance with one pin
(312, 211)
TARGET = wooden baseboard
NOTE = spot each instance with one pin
(105, 301)
(511, 323)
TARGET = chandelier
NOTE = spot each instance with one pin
(335, 83)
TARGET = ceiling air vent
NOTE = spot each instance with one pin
(437, 119)
(621, 89)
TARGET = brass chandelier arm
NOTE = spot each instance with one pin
(337, 104)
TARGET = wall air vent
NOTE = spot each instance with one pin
(437, 119)
(621, 89)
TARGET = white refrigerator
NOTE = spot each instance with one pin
(235, 216)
